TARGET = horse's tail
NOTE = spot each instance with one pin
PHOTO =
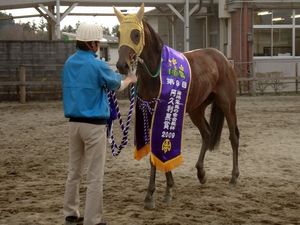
(216, 123)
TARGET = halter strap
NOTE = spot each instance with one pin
(140, 60)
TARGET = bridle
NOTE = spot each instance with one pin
(133, 61)
(157, 72)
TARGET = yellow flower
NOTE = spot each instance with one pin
(174, 61)
(181, 68)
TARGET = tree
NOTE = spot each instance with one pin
(106, 31)
(6, 20)
(42, 25)
(26, 26)
(34, 27)
(77, 25)
(9, 30)
(69, 29)
(115, 30)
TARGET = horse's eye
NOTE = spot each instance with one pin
(135, 36)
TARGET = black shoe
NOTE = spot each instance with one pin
(74, 220)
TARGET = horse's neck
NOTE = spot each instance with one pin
(151, 55)
(148, 87)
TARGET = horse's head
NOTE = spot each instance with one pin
(131, 38)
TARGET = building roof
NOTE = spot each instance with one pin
(111, 39)
(14, 4)
(106, 38)
(4, 4)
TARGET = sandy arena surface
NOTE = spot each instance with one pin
(34, 145)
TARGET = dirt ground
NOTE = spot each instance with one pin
(34, 145)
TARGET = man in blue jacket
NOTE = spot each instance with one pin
(85, 79)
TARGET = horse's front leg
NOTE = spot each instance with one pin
(170, 184)
(149, 202)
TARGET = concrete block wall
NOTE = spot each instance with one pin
(49, 55)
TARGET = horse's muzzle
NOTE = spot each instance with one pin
(122, 67)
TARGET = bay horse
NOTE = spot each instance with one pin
(213, 82)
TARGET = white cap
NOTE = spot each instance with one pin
(89, 32)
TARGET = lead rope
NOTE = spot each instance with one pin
(145, 107)
(116, 149)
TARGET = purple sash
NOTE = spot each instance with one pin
(168, 116)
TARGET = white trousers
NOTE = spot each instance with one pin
(87, 142)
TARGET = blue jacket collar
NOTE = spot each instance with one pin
(81, 52)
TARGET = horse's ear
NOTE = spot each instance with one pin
(119, 15)
(140, 13)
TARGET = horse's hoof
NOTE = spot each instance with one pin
(233, 181)
(234, 177)
(149, 205)
(167, 199)
(203, 180)
(202, 177)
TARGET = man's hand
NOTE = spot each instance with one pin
(132, 72)
(132, 77)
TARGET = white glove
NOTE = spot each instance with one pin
(132, 69)
(132, 73)
(130, 77)
(122, 86)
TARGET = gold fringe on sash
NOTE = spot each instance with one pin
(139, 154)
(166, 166)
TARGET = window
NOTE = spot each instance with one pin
(263, 17)
(297, 42)
(282, 42)
(262, 42)
(276, 33)
(297, 16)
(282, 16)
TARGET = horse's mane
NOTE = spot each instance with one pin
(152, 37)
(151, 54)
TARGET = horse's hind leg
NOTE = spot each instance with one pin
(170, 183)
(149, 202)
(228, 107)
(234, 139)
(198, 118)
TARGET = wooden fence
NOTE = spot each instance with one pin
(22, 84)
(273, 80)
(253, 85)
(282, 76)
